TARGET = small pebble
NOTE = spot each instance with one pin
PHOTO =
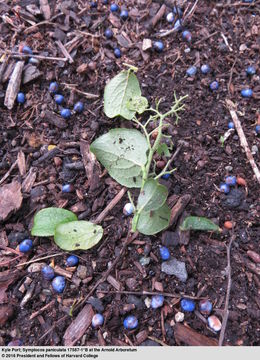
(97, 320)
(228, 168)
(157, 301)
(176, 268)
(170, 17)
(205, 307)
(144, 261)
(179, 317)
(214, 323)
(72, 260)
(191, 71)
(187, 305)
(254, 149)
(224, 188)
(164, 253)
(214, 85)
(130, 322)
(247, 93)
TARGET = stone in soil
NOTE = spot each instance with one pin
(176, 268)
(82, 272)
(233, 199)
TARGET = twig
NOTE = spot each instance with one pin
(242, 138)
(226, 311)
(64, 51)
(39, 259)
(40, 311)
(157, 340)
(226, 42)
(41, 57)
(14, 85)
(45, 22)
(206, 38)
(150, 293)
(191, 12)
(8, 172)
(231, 74)
(73, 87)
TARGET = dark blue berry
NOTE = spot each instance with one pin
(72, 260)
(26, 245)
(27, 50)
(48, 272)
(205, 307)
(114, 7)
(109, 33)
(65, 113)
(214, 85)
(58, 284)
(247, 93)
(20, 98)
(205, 69)
(186, 35)
(164, 253)
(78, 107)
(231, 125)
(158, 46)
(166, 176)
(187, 305)
(97, 320)
(53, 87)
(231, 180)
(67, 188)
(93, 4)
(157, 301)
(124, 15)
(59, 99)
(130, 322)
(257, 129)
(191, 71)
(224, 188)
(117, 53)
(250, 70)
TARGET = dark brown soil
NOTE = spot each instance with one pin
(202, 165)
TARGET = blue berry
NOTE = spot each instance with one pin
(58, 284)
(16, 342)
(128, 209)
(187, 305)
(257, 129)
(165, 253)
(124, 15)
(34, 61)
(250, 70)
(117, 53)
(48, 272)
(231, 125)
(205, 307)
(224, 188)
(231, 180)
(205, 69)
(97, 320)
(166, 176)
(130, 322)
(178, 25)
(191, 71)
(109, 34)
(27, 50)
(157, 301)
(93, 4)
(67, 188)
(158, 46)
(177, 11)
(20, 98)
(186, 35)
(247, 93)
(170, 17)
(65, 113)
(26, 245)
(53, 87)
(59, 99)
(78, 107)
(214, 85)
(72, 260)
(114, 7)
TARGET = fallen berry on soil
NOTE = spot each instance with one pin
(205, 69)
(58, 284)
(157, 301)
(97, 320)
(26, 50)
(257, 129)
(224, 188)
(187, 305)
(164, 253)
(114, 7)
(48, 272)
(214, 323)
(205, 307)
(128, 209)
(130, 322)
(72, 260)
(166, 176)
(191, 71)
(65, 113)
(67, 188)
(117, 53)
(109, 33)
(250, 70)
(93, 4)
(26, 245)
(241, 181)
(231, 180)
(231, 125)
(228, 225)
(78, 107)
(124, 14)
(214, 85)
(186, 35)
(246, 93)
(158, 46)
(53, 87)
(59, 99)
(170, 17)
(20, 98)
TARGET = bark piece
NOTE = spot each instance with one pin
(178, 208)
(10, 199)
(45, 8)
(54, 119)
(191, 337)
(31, 73)
(21, 163)
(91, 165)
(14, 85)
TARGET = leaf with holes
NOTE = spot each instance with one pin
(138, 104)
(77, 235)
(152, 197)
(46, 220)
(152, 222)
(199, 223)
(123, 153)
(122, 88)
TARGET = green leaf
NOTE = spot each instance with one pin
(77, 235)
(153, 196)
(163, 149)
(199, 223)
(152, 222)
(46, 220)
(123, 153)
(118, 92)
(137, 103)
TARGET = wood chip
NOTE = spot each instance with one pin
(10, 199)
(21, 163)
(141, 337)
(191, 337)
(14, 85)
(29, 181)
(63, 272)
(91, 165)
(45, 8)
(116, 284)
(30, 73)
(54, 119)
(178, 208)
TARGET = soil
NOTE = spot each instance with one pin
(224, 35)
